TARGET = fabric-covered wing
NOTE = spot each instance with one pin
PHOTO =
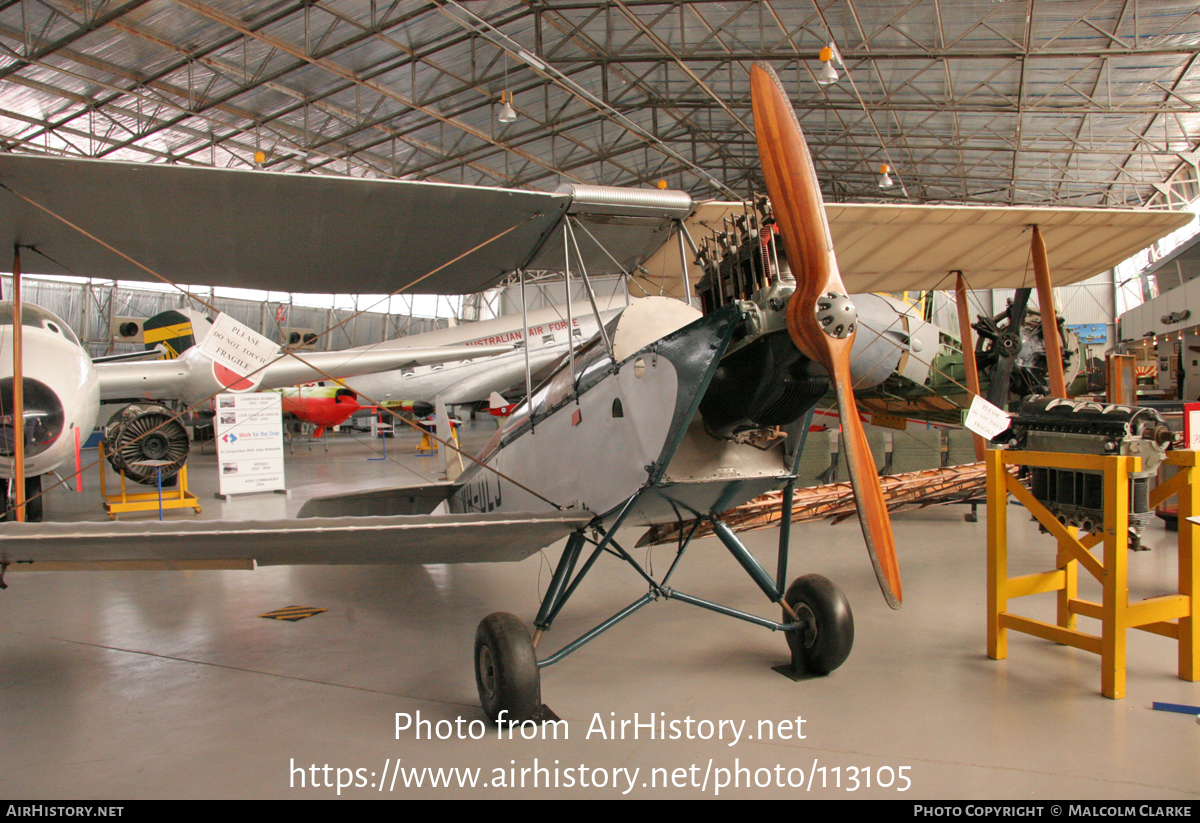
(264, 230)
(884, 247)
(470, 538)
(898, 248)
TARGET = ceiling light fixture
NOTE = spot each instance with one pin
(885, 180)
(828, 73)
(507, 112)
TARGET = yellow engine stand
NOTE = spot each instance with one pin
(1169, 615)
(177, 498)
(429, 447)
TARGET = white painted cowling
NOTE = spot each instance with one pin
(62, 392)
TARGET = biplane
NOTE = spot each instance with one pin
(674, 411)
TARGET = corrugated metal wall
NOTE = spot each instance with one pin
(89, 310)
(1089, 301)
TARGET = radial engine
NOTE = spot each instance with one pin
(764, 381)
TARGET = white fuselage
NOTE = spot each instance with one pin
(62, 392)
(472, 380)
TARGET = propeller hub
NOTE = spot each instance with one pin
(1009, 344)
(836, 315)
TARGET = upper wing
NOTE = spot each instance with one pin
(899, 248)
(264, 230)
(308, 233)
(316, 233)
(884, 247)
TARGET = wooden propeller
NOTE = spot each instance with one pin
(821, 318)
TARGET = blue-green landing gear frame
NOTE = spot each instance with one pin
(816, 616)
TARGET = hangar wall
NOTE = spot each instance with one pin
(89, 309)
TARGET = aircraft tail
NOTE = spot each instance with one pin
(498, 406)
(175, 331)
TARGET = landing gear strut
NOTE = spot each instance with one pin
(33, 500)
(507, 666)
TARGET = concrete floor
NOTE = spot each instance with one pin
(169, 685)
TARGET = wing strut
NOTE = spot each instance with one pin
(968, 350)
(1045, 290)
(18, 393)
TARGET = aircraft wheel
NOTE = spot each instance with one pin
(506, 671)
(33, 497)
(825, 642)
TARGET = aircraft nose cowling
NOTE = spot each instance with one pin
(44, 416)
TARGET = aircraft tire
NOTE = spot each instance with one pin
(506, 672)
(826, 644)
(33, 497)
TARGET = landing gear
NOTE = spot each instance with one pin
(825, 640)
(506, 670)
(33, 500)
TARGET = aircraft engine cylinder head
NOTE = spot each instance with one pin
(144, 432)
(43, 415)
(837, 315)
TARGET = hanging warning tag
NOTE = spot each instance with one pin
(985, 419)
(237, 347)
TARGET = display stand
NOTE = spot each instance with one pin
(428, 446)
(178, 498)
(1169, 615)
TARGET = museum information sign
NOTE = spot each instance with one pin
(249, 431)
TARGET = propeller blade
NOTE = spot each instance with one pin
(1007, 346)
(821, 317)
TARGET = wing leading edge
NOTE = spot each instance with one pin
(189, 377)
(472, 538)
